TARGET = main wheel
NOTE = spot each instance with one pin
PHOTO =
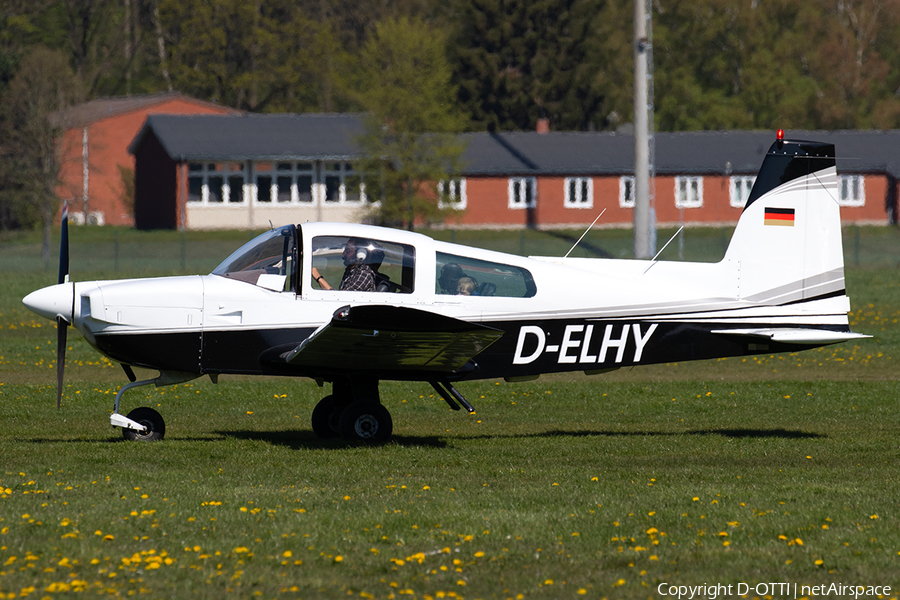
(325, 418)
(365, 421)
(149, 418)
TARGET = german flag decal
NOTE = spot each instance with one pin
(783, 217)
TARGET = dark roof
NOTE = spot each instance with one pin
(690, 152)
(257, 137)
(104, 108)
(522, 153)
(562, 152)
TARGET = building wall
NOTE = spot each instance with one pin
(107, 148)
(259, 217)
(487, 204)
(250, 213)
(155, 185)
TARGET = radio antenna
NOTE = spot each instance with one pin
(584, 234)
(653, 260)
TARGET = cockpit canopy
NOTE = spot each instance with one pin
(267, 260)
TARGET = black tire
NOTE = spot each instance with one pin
(366, 422)
(149, 418)
(325, 418)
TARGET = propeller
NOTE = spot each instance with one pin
(62, 326)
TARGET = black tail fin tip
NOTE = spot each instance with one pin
(788, 160)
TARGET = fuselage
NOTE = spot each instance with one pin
(555, 314)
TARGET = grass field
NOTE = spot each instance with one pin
(780, 468)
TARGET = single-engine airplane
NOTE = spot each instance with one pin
(411, 308)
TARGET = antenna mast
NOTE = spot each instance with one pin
(644, 150)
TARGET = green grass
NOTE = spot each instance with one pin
(699, 473)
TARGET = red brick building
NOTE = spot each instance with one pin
(95, 146)
(243, 171)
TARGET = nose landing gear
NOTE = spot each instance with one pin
(145, 424)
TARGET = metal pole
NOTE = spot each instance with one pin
(641, 136)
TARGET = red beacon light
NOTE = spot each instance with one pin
(779, 135)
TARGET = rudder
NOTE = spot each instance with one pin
(787, 243)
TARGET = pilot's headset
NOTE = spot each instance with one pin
(363, 249)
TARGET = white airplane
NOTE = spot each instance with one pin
(353, 305)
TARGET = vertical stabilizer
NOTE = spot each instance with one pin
(787, 244)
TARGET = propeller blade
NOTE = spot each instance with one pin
(62, 328)
(64, 246)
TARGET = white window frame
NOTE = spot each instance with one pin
(846, 197)
(683, 187)
(455, 195)
(578, 201)
(225, 173)
(286, 170)
(626, 200)
(516, 201)
(343, 171)
(739, 187)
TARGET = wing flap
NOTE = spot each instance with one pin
(390, 338)
(795, 335)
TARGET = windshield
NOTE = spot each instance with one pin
(267, 260)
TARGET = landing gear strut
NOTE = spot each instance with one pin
(353, 412)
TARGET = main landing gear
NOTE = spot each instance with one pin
(354, 411)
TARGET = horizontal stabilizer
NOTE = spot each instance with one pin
(392, 338)
(795, 336)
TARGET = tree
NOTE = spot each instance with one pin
(410, 138)
(30, 153)
(722, 64)
(263, 56)
(520, 60)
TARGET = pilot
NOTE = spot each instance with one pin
(358, 275)
(465, 286)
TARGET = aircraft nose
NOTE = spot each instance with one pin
(53, 301)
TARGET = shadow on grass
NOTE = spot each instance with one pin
(731, 433)
(297, 439)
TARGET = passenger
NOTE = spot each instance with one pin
(358, 275)
(465, 286)
(450, 274)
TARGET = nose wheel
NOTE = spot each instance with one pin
(144, 424)
(154, 428)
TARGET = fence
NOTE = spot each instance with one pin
(127, 252)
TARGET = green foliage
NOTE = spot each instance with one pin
(726, 65)
(126, 175)
(253, 56)
(31, 138)
(517, 61)
(409, 136)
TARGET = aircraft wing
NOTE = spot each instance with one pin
(391, 338)
(795, 335)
